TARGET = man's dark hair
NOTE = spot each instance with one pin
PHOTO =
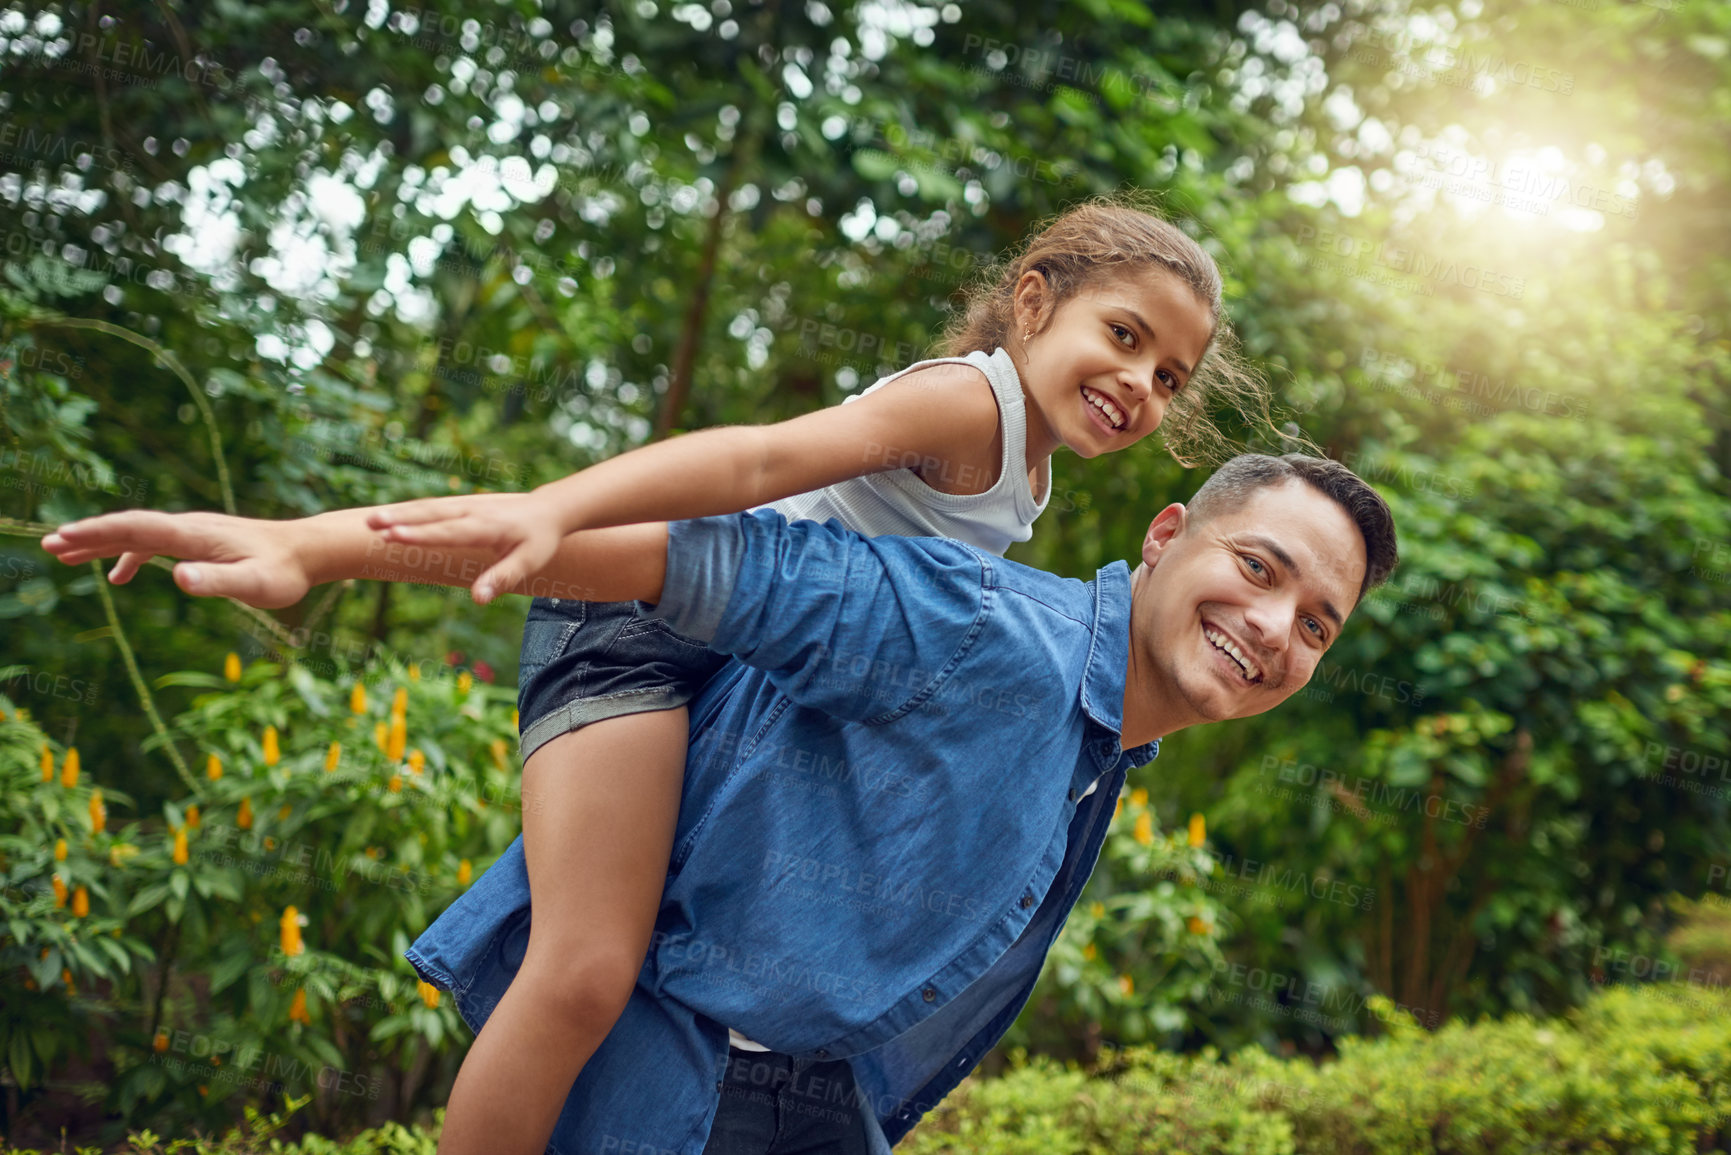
(1233, 483)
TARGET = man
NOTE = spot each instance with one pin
(895, 795)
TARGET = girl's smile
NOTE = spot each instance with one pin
(1099, 374)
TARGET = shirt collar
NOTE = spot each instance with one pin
(1109, 657)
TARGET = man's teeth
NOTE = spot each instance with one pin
(1224, 644)
(1114, 415)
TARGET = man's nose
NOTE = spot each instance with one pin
(1271, 621)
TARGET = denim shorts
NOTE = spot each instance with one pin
(585, 661)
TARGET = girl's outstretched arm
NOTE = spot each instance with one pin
(271, 564)
(933, 418)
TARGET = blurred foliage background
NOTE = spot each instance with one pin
(286, 256)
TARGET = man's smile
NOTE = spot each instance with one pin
(1233, 656)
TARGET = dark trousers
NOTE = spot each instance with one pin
(774, 1104)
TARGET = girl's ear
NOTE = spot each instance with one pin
(1033, 302)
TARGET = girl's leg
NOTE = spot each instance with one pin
(599, 809)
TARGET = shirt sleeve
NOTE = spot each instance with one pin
(862, 628)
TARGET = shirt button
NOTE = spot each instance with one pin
(823, 1054)
(930, 994)
(1027, 901)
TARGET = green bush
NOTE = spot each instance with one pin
(1635, 1070)
(244, 944)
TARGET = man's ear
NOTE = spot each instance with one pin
(1166, 526)
(1032, 302)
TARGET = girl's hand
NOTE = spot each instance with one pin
(256, 562)
(521, 530)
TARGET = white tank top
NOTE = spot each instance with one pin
(897, 501)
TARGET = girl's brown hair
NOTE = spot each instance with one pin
(1121, 236)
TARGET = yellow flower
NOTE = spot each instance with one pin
(80, 902)
(59, 850)
(69, 771)
(333, 756)
(291, 931)
(380, 731)
(1196, 924)
(1144, 832)
(1088, 952)
(464, 872)
(400, 701)
(1118, 809)
(1127, 985)
(271, 753)
(243, 817)
(66, 977)
(1138, 797)
(284, 811)
(213, 767)
(396, 784)
(358, 699)
(59, 892)
(399, 739)
(298, 1008)
(119, 853)
(464, 681)
(498, 749)
(98, 812)
(160, 1043)
(47, 763)
(1198, 830)
(417, 761)
(179, 854)
(414, 671)
(429, 993)
(231, 667)
(1098, 910)
(514, 718)
(192, 818)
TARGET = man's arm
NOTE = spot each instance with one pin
(273, 563)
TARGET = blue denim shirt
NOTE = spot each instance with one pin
(885, 822)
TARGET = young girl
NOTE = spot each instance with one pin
(1087, 339)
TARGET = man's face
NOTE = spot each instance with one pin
(1240, 608)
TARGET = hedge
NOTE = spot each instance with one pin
(1638, 1069)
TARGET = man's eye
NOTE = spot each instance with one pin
(1314, 626)
(1257, 567)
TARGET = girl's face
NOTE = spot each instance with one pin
(1100, 375)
